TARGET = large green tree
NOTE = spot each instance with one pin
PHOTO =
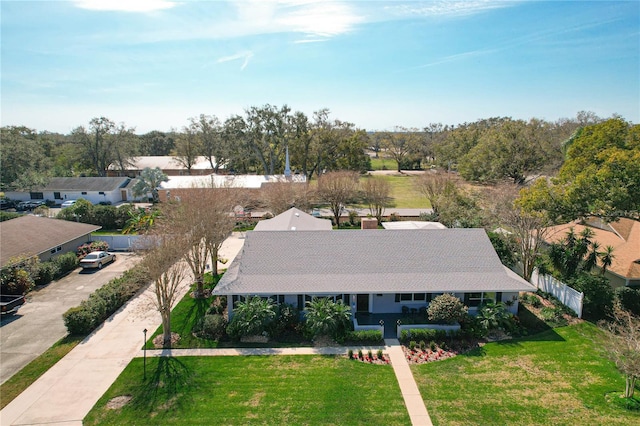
(23, 161)
(600, 176)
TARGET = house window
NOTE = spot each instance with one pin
(101, 192)
(55, 250)
(36, 195)
(84, 193)
(413, 297)
(57, 196)
(478, 299)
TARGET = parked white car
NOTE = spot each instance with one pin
(97, 259)
(68, 203)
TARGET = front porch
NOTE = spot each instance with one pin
(390, 321)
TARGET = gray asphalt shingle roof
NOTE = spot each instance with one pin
(367, 261)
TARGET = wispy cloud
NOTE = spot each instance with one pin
(244, 56)
(445, 7)
(125, 5)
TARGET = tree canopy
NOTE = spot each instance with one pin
(600, 176)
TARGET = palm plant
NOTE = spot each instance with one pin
(606, 258)
(326, 317)
(251, 317)
(494, 316)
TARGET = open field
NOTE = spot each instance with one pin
(303, 389)
(555, 377)
(403, 191)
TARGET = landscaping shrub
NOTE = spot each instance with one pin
(326, 317)
(104, 301)
(210, 327)
(45, 272)
(87, 248)
(598, 294)
(629, 298)
(251, 317)
(447, 309)
(65, 263)
(78, 320)
(363, 336)
(287, 319)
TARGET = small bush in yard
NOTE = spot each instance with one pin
(66, 263)
(87, 248)
(211, 327)
(364, 336)
(78, 320)
(447, 309)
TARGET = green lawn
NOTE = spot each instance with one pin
(274, 390)
(555, 377)
(404, 193)
(382, 163)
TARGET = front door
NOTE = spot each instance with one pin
(362, 303)
(123, 194)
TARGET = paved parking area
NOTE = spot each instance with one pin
(38, 323)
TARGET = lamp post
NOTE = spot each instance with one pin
(144, 351)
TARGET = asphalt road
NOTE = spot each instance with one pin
(38, 323)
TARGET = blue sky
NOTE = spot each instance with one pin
(152, 64)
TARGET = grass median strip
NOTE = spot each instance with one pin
(20, 381)
(302, 389)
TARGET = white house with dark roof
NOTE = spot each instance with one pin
(374, 271)
(93, 189)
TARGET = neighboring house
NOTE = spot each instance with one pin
(93, 189)
(168, 164)
(375, 271)
(294, 220)
(623, 235)
(40, 236)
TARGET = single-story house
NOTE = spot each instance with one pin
(294, 220)
(168, 164)
(374, 271)
(623, 235)
(41, 236)
(94, 189)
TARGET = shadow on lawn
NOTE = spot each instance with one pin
(197, 310)
(164, 384)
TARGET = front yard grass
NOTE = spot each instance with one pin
(302, 389)
(555, 377)
(404, 193)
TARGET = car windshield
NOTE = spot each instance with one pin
(91, 256)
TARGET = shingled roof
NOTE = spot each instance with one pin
(368, 261)
(32, 235)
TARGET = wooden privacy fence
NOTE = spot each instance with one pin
(569, 297)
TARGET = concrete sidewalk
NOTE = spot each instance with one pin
(67, 392)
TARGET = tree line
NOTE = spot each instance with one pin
(256, 141)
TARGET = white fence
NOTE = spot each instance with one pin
(568, 296)
(118, 242)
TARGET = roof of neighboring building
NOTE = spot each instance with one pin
(294, 220)
(226, 181)
(367, 261)
(164, 162)
(623, 235)
(32, 235)
(412, 224)
(93, 184)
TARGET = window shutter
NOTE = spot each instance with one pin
(499, 297)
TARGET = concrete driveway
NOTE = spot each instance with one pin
(38, 323)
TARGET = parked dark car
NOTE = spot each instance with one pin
(6, 204)
(30, 205)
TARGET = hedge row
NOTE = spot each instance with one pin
(418, 334)
(103, 302)
(363, 336)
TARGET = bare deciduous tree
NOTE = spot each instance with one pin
(164, 265)
(337, 189)
(376, 194)
(203, 216)
(281, 196)
(623, 345)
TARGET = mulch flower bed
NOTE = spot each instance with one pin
(373, 359)
(419, 356)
